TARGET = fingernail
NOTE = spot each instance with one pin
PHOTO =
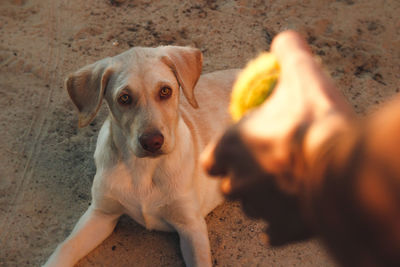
(226, 186)
(207, 158)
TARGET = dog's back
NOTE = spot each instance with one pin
(206, 123)
(213, 95)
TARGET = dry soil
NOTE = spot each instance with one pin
(46, 161)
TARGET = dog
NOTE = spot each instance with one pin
(147, 150)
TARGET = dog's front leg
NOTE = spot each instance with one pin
(92, 228)
(194, 242)
(193, 235)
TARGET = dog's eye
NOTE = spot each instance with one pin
(124, 99)
(165, 92)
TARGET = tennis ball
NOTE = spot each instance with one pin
(254, 84)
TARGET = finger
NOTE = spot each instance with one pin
(207, 157)
(228, 156)
(287, 44)
(219, 157)
(305, 73)
(298, 64)
(237, 165)
(293, 54)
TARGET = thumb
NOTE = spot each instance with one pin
(220, 156)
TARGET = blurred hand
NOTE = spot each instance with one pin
(265, 157)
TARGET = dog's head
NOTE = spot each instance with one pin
(142, 88)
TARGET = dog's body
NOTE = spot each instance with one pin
(148, 148)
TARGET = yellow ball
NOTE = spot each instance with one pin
(254, 84)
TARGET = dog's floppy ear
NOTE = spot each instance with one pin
(86, 88)
(186, 63)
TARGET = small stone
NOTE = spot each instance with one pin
(115, 43)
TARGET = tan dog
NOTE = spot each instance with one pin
(147, 150)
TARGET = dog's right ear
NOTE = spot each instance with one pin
(86, 87)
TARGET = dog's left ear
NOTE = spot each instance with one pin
(186, 63)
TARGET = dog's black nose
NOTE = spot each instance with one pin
(152, 141)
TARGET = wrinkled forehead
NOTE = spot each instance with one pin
(138, 61)
(141, 68)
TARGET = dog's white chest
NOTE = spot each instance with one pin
(146, 209)
(142, 197)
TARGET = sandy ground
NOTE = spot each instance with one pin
(46, 161)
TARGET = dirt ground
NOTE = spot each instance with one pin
(46, 165)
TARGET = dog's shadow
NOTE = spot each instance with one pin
(132, 245)
(231, 234)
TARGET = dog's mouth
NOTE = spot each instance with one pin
(142, 152)
(147, 154)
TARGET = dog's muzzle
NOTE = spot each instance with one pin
(151, 141)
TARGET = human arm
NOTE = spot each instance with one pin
(306, 165)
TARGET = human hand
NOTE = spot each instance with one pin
(265, 157)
